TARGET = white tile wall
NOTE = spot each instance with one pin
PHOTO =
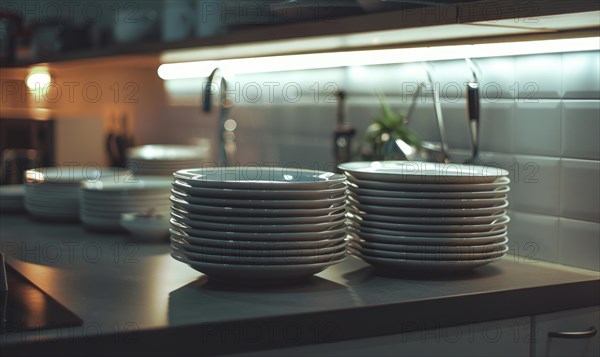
(580, 189)
(580, 129)
(497, 126)
(538, 77)
(535, 184)
(533, 237)
(497, 78)
(540, 119)
(579, 243)
(536, 130)
(581, 75)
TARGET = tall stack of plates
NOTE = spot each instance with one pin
(259, 224)
(103, 201)
(424, 216)
(52, 193)
(164, 160)
(12, 198)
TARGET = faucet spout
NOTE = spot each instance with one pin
(224, 106)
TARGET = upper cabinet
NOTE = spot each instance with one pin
(42, 31)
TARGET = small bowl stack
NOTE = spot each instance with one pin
(421, 216)
(258, 224)
(104, 201)
(52, 193)
(164, 160)
(12, 198)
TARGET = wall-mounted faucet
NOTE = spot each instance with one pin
(225, 156)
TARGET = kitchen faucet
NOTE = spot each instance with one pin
(224, 156)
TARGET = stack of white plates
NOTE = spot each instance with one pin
(164, 160)
(259, 224)
(12, 198)
(424, 216)
(103, 201)
(52, 193)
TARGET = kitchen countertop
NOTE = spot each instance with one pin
(134, 298)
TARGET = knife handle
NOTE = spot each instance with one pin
(473, 100)
(473, 112)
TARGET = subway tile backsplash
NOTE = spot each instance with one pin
(580, 189)
(536, 129)
(580, 129)
(540, 119)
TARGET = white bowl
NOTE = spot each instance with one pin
(146, 227)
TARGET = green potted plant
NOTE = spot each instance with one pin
(388, 137)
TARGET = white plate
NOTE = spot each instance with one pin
(256, 273)
(268, 260)
(72, 175)
(130, 183)
(245, 252)
(103, 205)
(306, 204)
(445, 228)
(399, 265)
(260, 178)
(254, 212)
(12, 191)
(419, 187)
(500, 192)
(279, 236)
(147, 196)
(426, 202)
(422, 172)
(117, 212)
(427, 212)
(168, 152)
(12, 208)
(422, 248)
(436, 256)
(52, 214)
(259, 194)
(257, 228)
(139, 196)
(259, 245)
(361, 216)
(427, 240)
(332, 216)
(50, 207)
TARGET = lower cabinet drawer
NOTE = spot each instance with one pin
(572, 331)
(493, 338)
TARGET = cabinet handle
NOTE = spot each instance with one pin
(575, 334)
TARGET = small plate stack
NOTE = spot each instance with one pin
(258, 224)
(407, 215)
(52, 193)
(104, 201)
(164, 160)
(12, 198)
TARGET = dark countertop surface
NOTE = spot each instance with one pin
(135, 297)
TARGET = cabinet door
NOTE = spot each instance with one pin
(580, 320)
(493, 338)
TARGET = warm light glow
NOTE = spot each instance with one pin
(38, 78)
(200, 69)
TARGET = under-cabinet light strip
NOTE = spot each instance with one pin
(199, 69)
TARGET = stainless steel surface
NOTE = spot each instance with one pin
(429, 151)
(438, 113)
